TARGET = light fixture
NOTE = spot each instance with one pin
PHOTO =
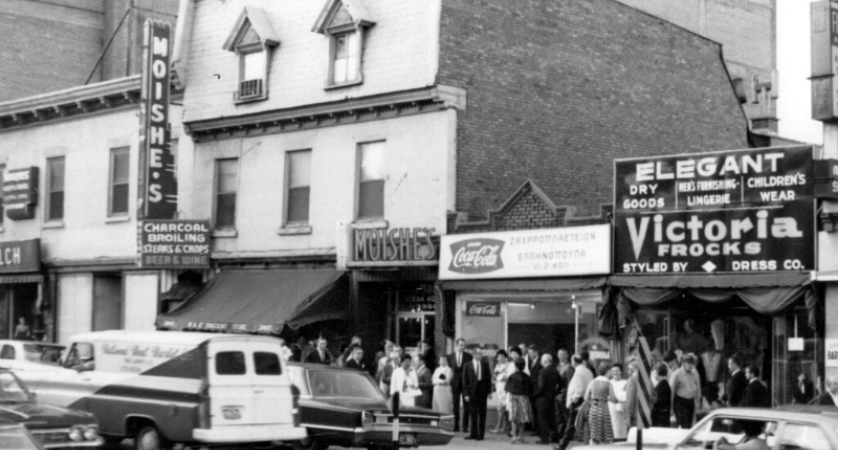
(532, 306)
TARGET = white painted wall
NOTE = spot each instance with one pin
(74, 313)
(400, 54)
(419, 189)
(140, 300)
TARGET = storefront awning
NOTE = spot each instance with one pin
(722, 281)
(560, 284)
(18, 279)
(262, 301)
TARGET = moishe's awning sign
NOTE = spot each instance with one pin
(735, 211)
(157, 178)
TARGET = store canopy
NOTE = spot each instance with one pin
(559, 284)
(765, 293)
(262, 301)
(19, 279)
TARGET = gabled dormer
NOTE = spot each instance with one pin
(344, 23)
(253, 39)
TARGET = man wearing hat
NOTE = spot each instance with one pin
(533, 366)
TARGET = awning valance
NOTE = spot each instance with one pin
(719, 281)
(549, 284)
(18, 279)
(262, 301)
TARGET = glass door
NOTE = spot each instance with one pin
(412, 328)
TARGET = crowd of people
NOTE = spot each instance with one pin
(558, 398)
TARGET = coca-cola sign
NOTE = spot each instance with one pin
(476, 256)
(483, 309)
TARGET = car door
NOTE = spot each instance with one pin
(272, 394)
(804, 436)
(231, 389)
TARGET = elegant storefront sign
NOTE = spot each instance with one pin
(20, 193)
(551, 252)
(483, 309)
(157, 175)
(174, 244)
(826, 179)
(20, 256)
(734, 211)
(393, 246)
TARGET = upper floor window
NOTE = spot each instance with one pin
(344, 23)
(253, 39)
(226, 181)
(370, 202)
(56, 188)
(298, 186)
(119, 181)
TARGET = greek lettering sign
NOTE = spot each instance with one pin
(174, 244)
(157, 177)
(734, 211)
(20, 256)
(393, 246)
(551, 252)
(20, 193)
(484, 309)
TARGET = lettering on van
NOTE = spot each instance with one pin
(136, 358)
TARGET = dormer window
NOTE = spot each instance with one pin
(253, 39)
(344, 23)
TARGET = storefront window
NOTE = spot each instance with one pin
(795, 352)
(415, 316)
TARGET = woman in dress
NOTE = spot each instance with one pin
(442, 380)
(619, 422)
(519, 390)
(660, 415)
(405, 382)
(598, 395)
(500, 375)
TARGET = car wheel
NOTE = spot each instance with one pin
(112, 441)
(149, 438)
(309, 443)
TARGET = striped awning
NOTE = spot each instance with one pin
(24, 278)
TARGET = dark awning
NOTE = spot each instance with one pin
(546, 284)
(18, 279)
(261, 301)
(720, 281)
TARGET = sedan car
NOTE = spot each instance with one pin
(346, 407)
(786, 428)
(29, 355)
(51, 426)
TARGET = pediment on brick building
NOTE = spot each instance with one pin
(528, 208)
(343, 15)
(252, 31)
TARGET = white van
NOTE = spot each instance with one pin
(165, 387)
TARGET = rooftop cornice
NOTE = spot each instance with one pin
(363, 109)
(70, 102)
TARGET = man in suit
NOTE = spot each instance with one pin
(356, 360)
(320, 355)
(548, 386)
(756, 394)
(476, 388)
(566, 371)
(737, 382)
(533, 366)
(459, 359)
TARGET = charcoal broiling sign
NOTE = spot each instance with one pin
(734, 211)
(174, 244)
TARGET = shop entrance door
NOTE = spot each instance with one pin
(412, 328)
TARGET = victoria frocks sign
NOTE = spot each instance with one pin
(737, 211)
(551, 252)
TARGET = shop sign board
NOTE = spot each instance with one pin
(20, 193)
(174, 244)
(733, 211)
(157, 177)
(826, 179)
(832, 353)
(392, 247)
(483, 309)
(550, 252)
(20, 256)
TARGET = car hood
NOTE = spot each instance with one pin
(36, 415)
(355, 404)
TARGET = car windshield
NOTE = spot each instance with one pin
(343, 384)
(15, 438)
(11, 389)
(732, 430)
(43, 354)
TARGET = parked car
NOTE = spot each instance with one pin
(51, 426)
(786, 428)
(14, 436)
(346, 407)
(29, 355)
(160, 387)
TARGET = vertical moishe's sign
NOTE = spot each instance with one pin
(157, 178)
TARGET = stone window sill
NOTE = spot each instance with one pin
(368, 224)
(356, 82)
(225, 233)
(53, 224)
(294, 229)
(118, 219)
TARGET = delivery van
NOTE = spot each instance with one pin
(165, 387)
